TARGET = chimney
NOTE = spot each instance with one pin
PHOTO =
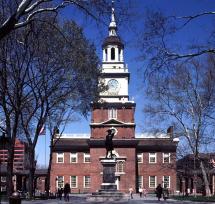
(170, 131)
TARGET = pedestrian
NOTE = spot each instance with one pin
(159, 191)
(144, 192)
(131, 192)
(66, 192)
(60, 192)
(165, 192)
(141, 191)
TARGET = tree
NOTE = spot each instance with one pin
(185, 96)
(11, 97)
(161, 46)
(52, 71)
(19, 14)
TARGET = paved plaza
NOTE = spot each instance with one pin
(81, 199)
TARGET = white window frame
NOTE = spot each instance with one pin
(140, 181)
(166, 156)
(112, 113)
(60, 155)
(76, 182)
(140, 156)
(118, 168)
(87, 155)
(87, 186)
(150, 182)
(152, 155)
(57, 182)
(73, 155)
(168, 184)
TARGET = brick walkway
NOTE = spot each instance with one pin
(81, 199)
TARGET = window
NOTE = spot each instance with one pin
(140, 181)
(87, 181)
(3, 188)
(112, 113)
(166, 157)
(112, 53)
(166, 181)
(73, 157)
(152, 158)
(60, 157)
(120, 166)
(86, 158)
(140, 158)
(3, 178)
(60, 182)
(73, 181)
(152, 181)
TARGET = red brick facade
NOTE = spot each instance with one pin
(127, 147)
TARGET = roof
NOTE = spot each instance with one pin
(113, 40)
(77, 144)
(157, 144)
(70, 144)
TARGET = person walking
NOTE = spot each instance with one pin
(159, 191)
(66, 192)
(60, 192)
(144, 192)
(131, 192)
(165, 192)
(141, 191)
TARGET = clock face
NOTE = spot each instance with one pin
(113, 86)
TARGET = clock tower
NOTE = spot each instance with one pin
(114, 71)
(113, 109)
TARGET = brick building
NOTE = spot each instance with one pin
(142, 160)
(19, 164)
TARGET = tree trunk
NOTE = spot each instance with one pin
(10, 170)
(31, 172)
(207, 188)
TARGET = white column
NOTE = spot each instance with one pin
(103, 55)
(108, 54)
(116, 54)
(121, 56)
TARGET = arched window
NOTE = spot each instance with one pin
(112, 53)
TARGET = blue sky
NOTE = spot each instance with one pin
(129, 32)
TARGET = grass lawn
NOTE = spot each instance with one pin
(197, 198)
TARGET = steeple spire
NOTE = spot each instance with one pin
(112, 26)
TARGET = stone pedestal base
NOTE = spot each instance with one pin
(102, 196)
(108, 191)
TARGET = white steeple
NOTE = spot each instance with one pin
(114, 71)
(112, 26)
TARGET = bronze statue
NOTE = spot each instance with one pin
(109, 142)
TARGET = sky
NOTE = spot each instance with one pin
(129, 31)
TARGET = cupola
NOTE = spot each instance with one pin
(112, 46)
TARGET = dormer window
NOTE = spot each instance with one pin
(112, 53)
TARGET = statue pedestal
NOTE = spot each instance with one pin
(109, 168)
(108, 191)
